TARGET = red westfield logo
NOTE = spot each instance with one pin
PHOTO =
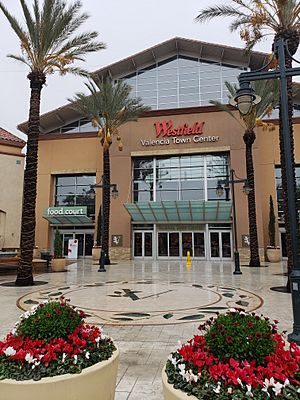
(165, 128)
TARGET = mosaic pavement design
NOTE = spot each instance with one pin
(146, 302)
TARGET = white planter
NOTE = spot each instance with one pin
(173, 394)
(96, 253)
(274, 255)
(97, 382)
(58, 264)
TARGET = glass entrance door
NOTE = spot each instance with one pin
(187, 243)
(85, 243)
(220, 245)
(80, 238)
(177, 244)
(142, 244)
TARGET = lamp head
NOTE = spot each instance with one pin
(114, 192)
(219, 190)
(91, 193)
(246, 188)
(245, 99)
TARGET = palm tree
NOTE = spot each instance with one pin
(268, 91)
(48, 43)
(254, 19)
(108, 106)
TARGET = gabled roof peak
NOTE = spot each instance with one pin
(10, 139)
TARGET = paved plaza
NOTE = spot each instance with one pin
(147, 307)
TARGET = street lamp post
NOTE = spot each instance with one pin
(246, 93)
(220, 190)
(104, 185)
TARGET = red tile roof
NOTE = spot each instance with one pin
(10, 139)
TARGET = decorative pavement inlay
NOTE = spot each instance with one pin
(146, 302)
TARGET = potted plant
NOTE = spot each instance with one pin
(239, 356)
(97, 245)
(52, 354)
(58, 262)
(273, 251)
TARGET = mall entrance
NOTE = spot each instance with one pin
(85, 238)
(203, 242)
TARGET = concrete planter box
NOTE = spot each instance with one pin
(173, 394)
(274, 255)
(58, 264)
(96, 253)
(97, 382)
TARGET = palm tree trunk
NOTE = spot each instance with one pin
(249, 138)
(106, 205)
(24, 272)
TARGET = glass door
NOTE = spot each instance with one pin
(80, 238)
(142, 244)
(177, 244)
(174, 244)
(88, 244)
(199, 244)
(220, 245)
(214, 244)
(66, 237)
(187, 243)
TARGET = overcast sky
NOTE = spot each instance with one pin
(126, 27)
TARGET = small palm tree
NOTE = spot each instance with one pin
(108, 106)
(254, 19)
(268, 91)
(48, 43)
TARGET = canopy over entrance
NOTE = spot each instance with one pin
(180, 211)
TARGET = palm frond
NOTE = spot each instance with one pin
(48, 39)
(109, 103)
(16, 26)
(19, 58)
(219, 11)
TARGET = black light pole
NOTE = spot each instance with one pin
(282, 73)
(226, 182)
(115, 194)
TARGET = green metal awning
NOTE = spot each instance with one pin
(180, 211)
(67, 215)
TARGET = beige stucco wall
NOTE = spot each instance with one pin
(68, 156)
(11, 178)
(84, 154)
(268, 157)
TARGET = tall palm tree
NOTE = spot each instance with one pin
(254, 19)
(48, 43)
(108, 106)
(268, 91)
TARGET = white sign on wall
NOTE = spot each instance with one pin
(73, 249)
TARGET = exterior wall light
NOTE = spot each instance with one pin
(245, 99)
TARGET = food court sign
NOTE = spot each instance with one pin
(65, 211)
(167, 133)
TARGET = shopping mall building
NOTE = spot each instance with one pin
(172, 159)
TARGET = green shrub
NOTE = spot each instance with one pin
(53, 320)
(58, 250)
(272, 220)
(240, 336)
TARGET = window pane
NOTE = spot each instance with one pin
(65, 180)
(86, 180)
(64, 190)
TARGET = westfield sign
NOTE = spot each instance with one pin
(166, 128)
